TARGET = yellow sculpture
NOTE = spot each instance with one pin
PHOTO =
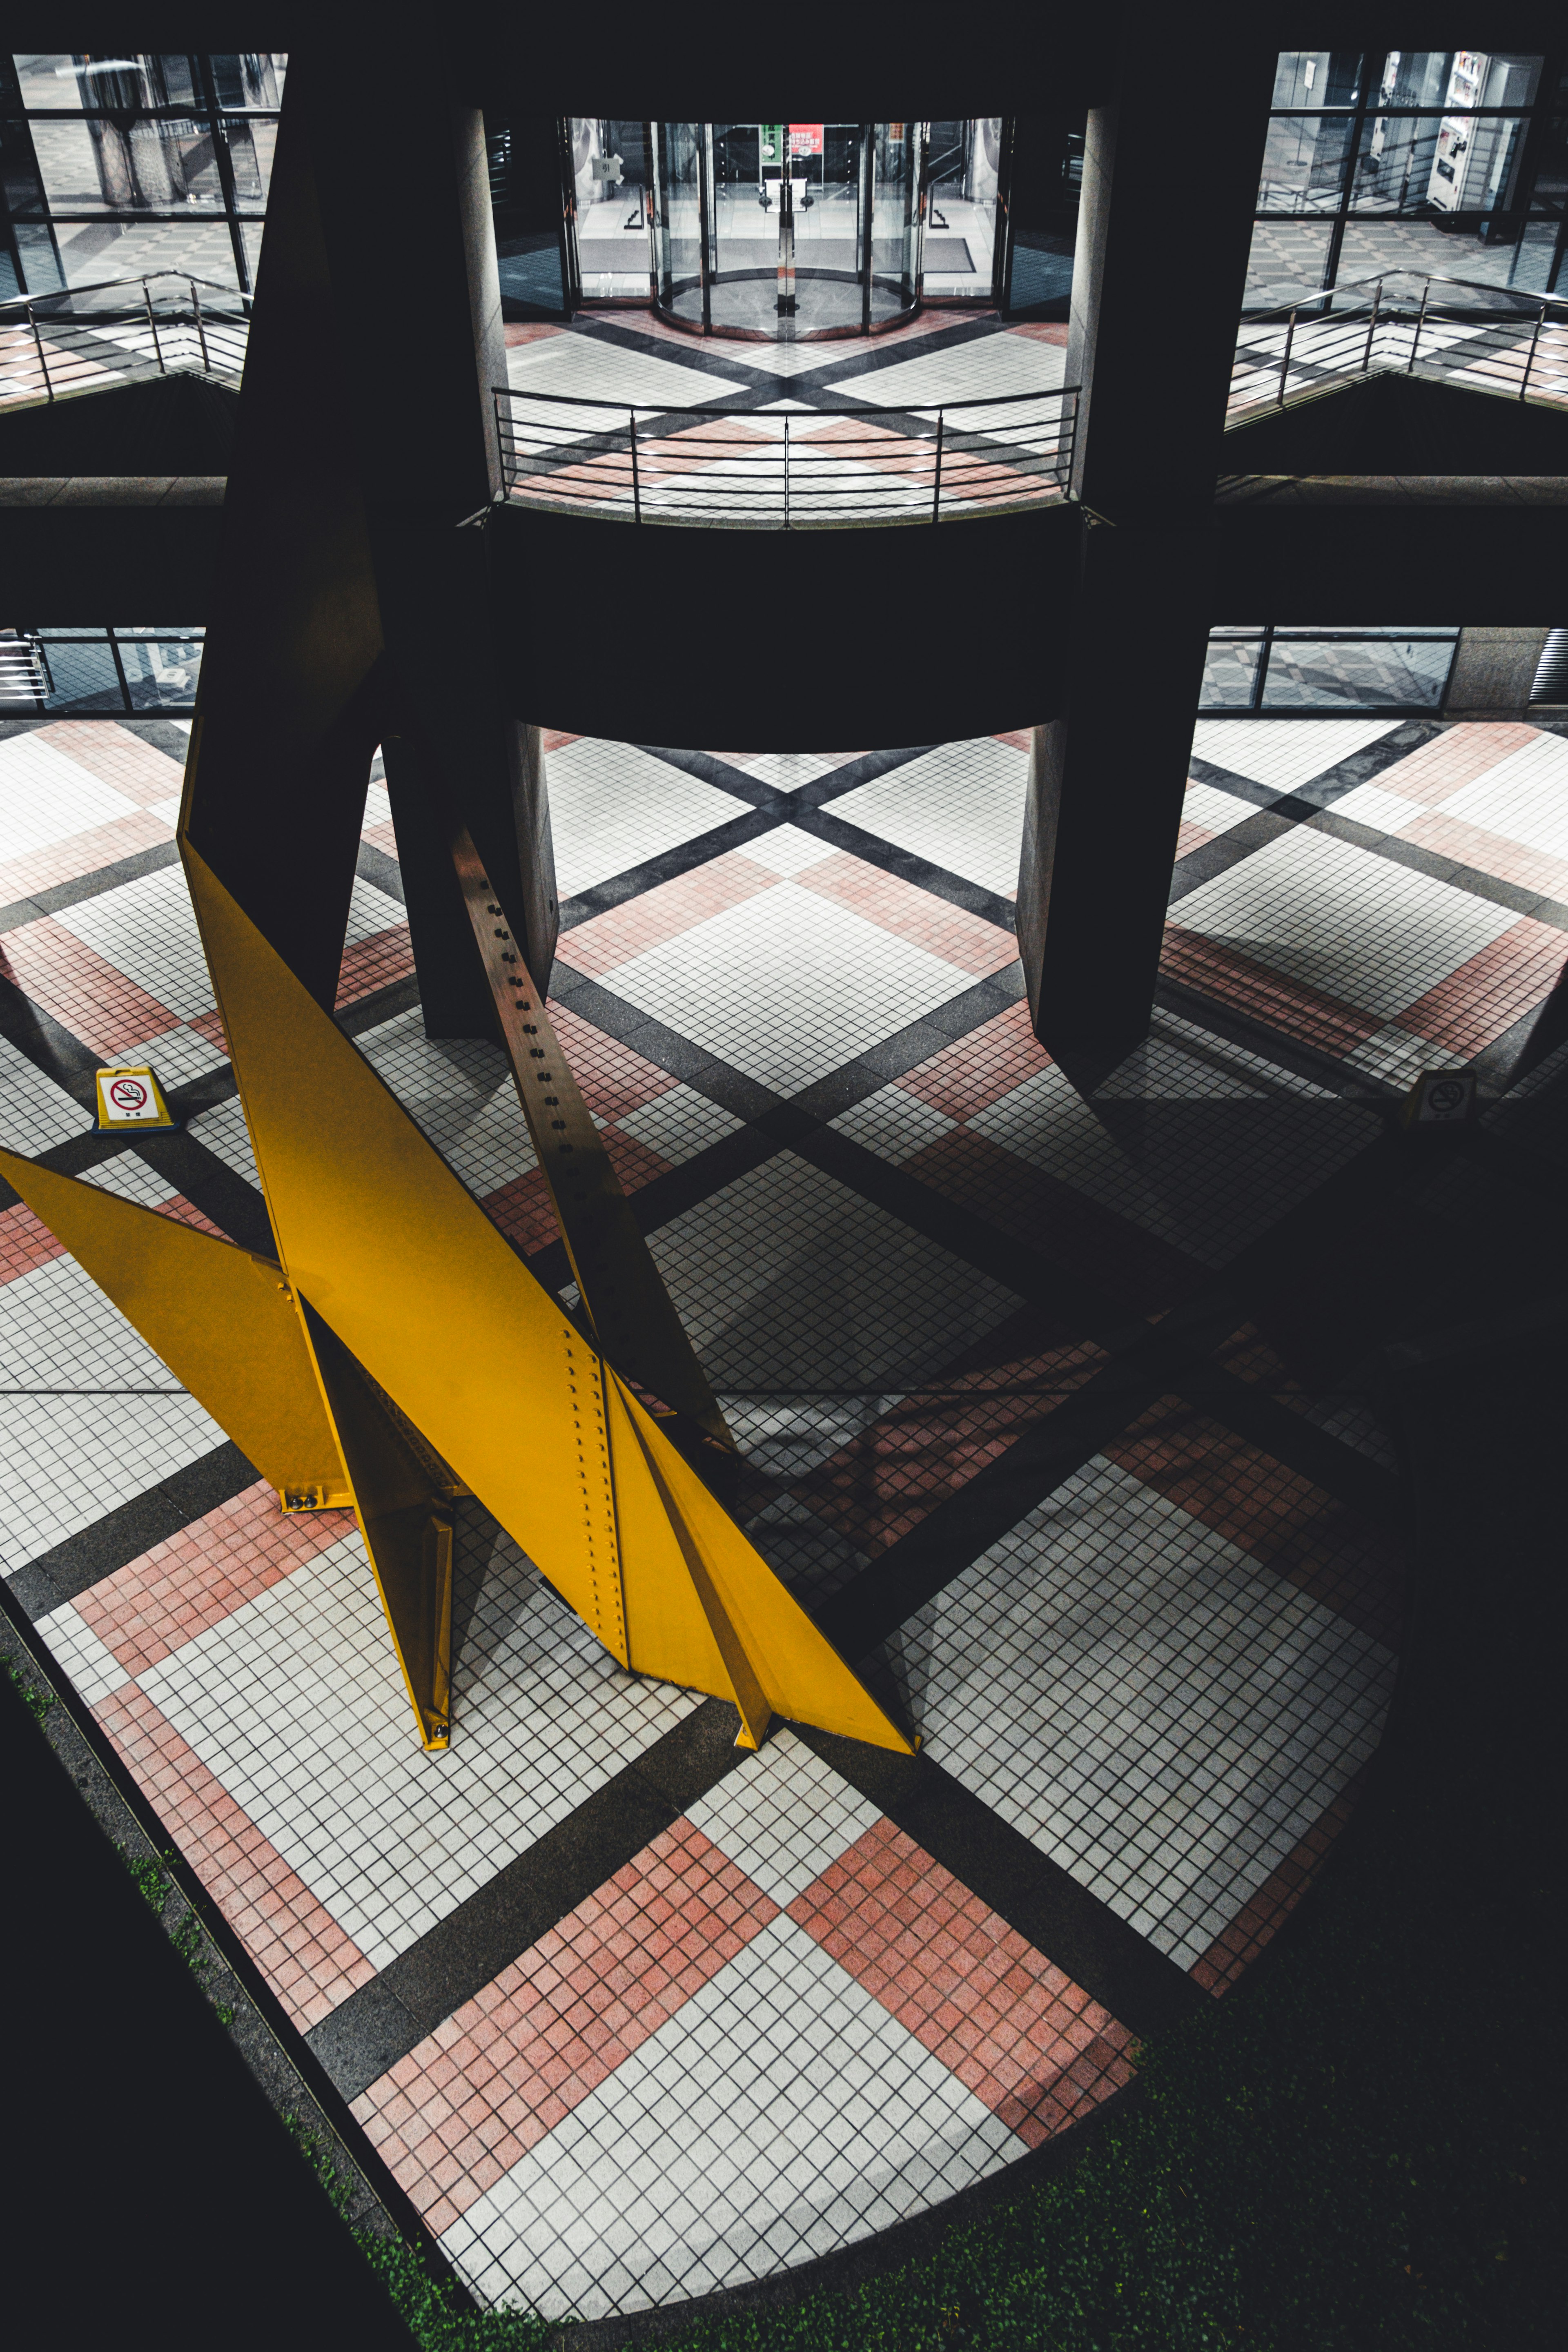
(400, 1354)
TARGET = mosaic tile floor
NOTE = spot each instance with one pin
(632, 2015)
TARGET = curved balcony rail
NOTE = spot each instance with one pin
(1492, 338)
(800, 469)
(85, 338)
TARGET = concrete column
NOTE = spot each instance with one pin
(415, 277)
(1493, 672)
(1163, 237)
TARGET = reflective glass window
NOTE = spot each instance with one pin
(1304, 163)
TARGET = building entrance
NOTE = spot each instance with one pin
(787, 231)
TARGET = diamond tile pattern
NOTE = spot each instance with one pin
(783, 2024)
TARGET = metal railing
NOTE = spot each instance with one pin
(801, 469)
(1494, 338)
(85, 337)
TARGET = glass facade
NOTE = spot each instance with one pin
(116, 166)
(144, 671)
(864, 221)
(1251, 671)
(1443, 160)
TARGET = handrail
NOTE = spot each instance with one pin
(1515, 341)
(113, 284)
(792, 469)
(58, 342)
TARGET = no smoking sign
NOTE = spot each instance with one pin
(131, 1099)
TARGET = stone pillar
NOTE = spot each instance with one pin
(1150, 345)
(413, 272)
(1493, 672)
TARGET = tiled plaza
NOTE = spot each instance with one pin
(630, 2014)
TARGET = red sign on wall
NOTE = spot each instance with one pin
(805, 139)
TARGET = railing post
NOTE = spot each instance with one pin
(1530, 355)
(503, 450)
(43, 356)
(201, 326)
(936, 489)
(1285, 361)
(636, 488)
(1420, 323)
(151, 321)
(1371, 327)
(786, 454)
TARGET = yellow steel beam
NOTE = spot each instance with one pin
(388, 1247)
(633, 1316)
(406, 1527)
(220, 1317)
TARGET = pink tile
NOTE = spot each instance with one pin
(310, 1964)
(1490, 853)
(663, 912)
(81, 853)
(1457, 757)
(196, 1579)
(977, 1070)
(1488, 994)
(84, 994)
(376, 963)
(563, 2017)
(994, 2009)
(129, 762)
(23, 1242)
(1260, 1919)
(928, 922)
(1231, 978)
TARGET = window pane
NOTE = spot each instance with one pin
(1317, 78)
(1229, 672)
(107, 251)
(1323, 675)
(254, 79)
(46, 79)
(81, 676)
(250, 145)
(153, 165)
(1287, 259)
(1463, 250)
(1304, 163)
(161, 677)
(1437, 163)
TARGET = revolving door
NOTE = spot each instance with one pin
(787, 231)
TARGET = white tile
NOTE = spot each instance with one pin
(392, 1839)
(679, 1124)
(787, 1278)
(177, 1056)
(128, 1175)
(168, 809)
(1215, 811)
(783, 1816)
(1193, 1151)
(1343, 920)
(787, 850)
(90, 1662)
(960, 807)
(613, 807)
(1109, 1659)
(786, 772)
(1285, 752)
(460, 1091)
(993, 366)
(586, 367)
(45, 797)
(147, 930)
(1386, 811)
(787, 985)
(1524, 797)
(35, 1114)
(65, 1459)
(893, 1125)
(736, 2141)
(223, 1129)
(1399, 1058)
